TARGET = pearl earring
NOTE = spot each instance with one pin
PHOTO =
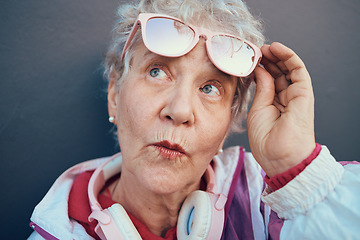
(111, 119)
(219, 151)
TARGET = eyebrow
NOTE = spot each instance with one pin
(148, 55)
(148, 52)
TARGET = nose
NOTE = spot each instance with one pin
(179, 107)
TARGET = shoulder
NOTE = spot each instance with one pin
(55, 202)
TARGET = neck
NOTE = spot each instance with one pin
(159, 212)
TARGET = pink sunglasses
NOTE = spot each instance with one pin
(170, 37)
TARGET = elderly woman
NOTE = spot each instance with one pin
(179, 83)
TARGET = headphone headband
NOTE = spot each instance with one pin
(99, 178)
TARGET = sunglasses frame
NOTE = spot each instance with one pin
(207, 34)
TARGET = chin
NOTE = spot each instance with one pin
(161, 175)
(164, 181)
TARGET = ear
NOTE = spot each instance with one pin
(112, 96)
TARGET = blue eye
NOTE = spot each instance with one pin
(154, 72)
(210, 90)
(157, 73)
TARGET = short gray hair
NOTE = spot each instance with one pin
(230, 16)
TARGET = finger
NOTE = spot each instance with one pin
(281, 80)
(276, 68)
(265, 89)
(282, 96)
(272, 68)
(278, 105)
(265, 49)
(293, 63)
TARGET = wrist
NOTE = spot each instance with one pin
(288, 157)
(279, 180)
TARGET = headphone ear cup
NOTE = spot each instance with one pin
(123, 222)
(198, 204)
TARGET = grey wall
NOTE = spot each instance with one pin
(53, 110)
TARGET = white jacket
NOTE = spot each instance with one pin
(322, 202)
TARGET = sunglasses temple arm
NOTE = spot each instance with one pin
(131, 36)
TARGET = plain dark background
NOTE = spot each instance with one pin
(53, 105)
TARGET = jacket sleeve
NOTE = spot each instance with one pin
(322, 202)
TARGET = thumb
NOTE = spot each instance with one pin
(265, 89)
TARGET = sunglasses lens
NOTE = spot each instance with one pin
(232, 55)
(168, 37)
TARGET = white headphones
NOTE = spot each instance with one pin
(201, 216)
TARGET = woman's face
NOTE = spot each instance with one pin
(172, 116)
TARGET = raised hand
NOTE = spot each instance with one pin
(281, 120)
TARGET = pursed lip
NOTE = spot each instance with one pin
(171, 147)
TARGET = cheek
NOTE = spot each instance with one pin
(136, 113)
(212, 131)
(216, 119)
